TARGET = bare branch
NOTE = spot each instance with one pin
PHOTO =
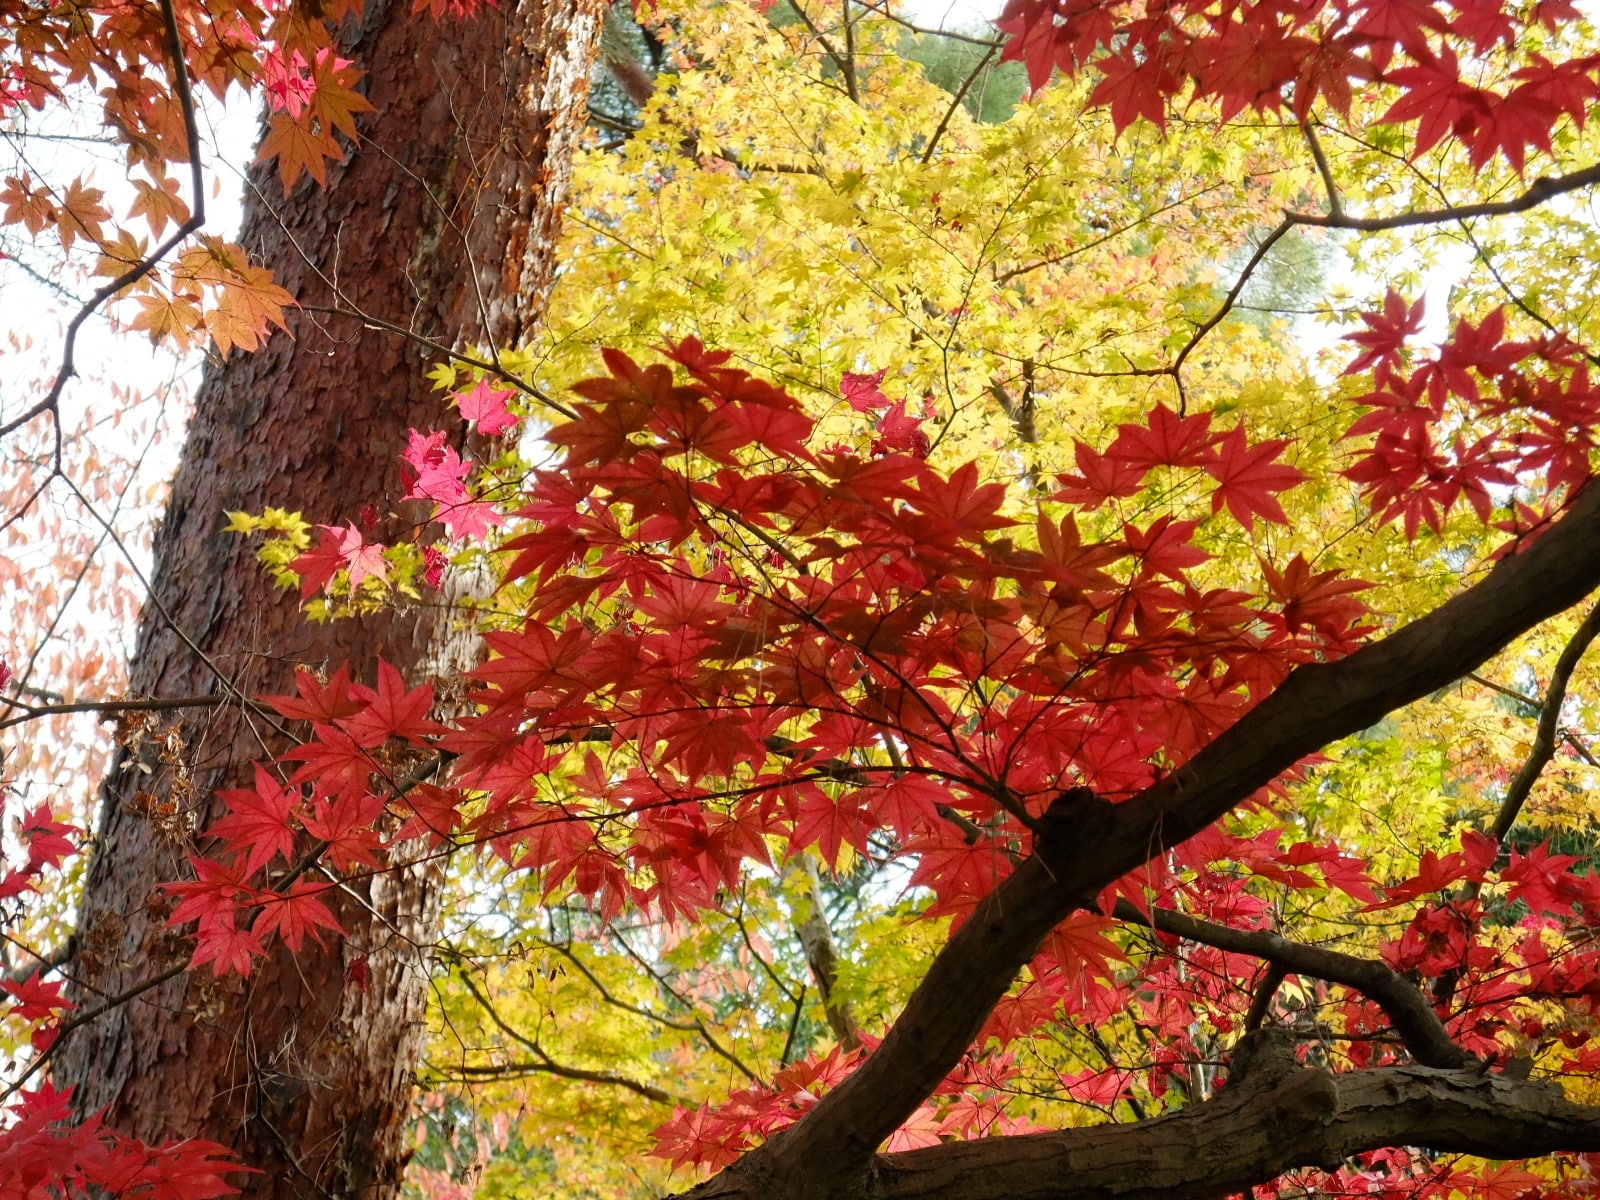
(1413, 1017)
(955, 103)
(34, 712)
(1549, 729)
(1541, 190)
(548, 1065)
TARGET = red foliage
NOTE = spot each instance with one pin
(1277, 58)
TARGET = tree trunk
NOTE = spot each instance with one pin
(443, 223)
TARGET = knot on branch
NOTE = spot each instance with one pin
(1075, 816)
(1264, 1057)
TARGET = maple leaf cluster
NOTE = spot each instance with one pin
(1287, 59)
(730, 639)
(1521, 417)
(326, 815)
(45, 1147)
(730, 643)
(44, 1142)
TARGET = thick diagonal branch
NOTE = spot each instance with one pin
(1100, 842)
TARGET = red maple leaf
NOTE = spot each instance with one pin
(1508, 1181)
(1166, 439)
(257, 825)
(963, 506)
(339, 548)
(318, 702)
(1248, 475)
(1165, 548)
(296, 914)
(701, 1137)
(1132, 87)
(900, 433)
(958, 873)
(831, 824)
(192, 1169)
(1480, 851)
(1403, 22)
(861, 391)
(486, 407)
(1103, 477)
(434, 813)
(1386, 332)
(1249, 62)
(334, 762)
(212, 896)
(1037, 39)
(1321, 600)
(1435, 96)
(225, 947)
(49, 841)
(36, 1000)
(1568, 86)
(1434, 875)
(391, 710)
(1541, 879)
(345, 823)
(434, 471)
(909, 804)
(1080, 947)
(1514, 124)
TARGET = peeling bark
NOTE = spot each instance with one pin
(443, 223)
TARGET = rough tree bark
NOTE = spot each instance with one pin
(1270, 1119)
(442, 223)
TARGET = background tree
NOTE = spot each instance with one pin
(436, 233)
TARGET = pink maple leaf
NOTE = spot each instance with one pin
(487, 407)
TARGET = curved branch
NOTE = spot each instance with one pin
(1413, 1017)
(1543, 189)
(1248, 1135)
(547, 1066)
(1538, 192)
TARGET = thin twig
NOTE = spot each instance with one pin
(35, 712)
(955, 103)
(196, 218)
(1335, 200)
(428, 343)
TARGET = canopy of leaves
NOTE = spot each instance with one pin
(950, 676)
